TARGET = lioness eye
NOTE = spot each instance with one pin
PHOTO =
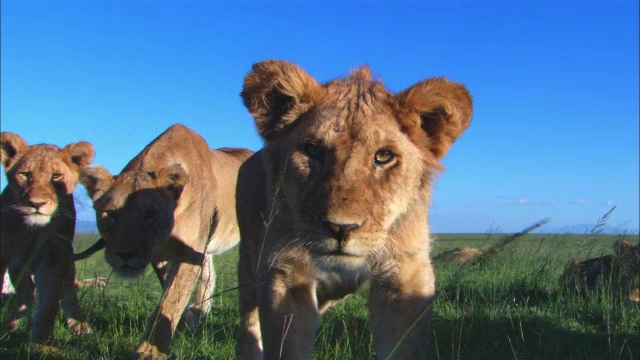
(56, 177)
(383, 157)
(150, 214)
(24, 174)
(109, 215)
(312, 150)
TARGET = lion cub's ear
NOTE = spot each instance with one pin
(80, 153)
(96, 179)
(12, 147)
(444, 108)
(174, 178)
(277, 93)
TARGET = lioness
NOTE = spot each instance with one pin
(38, 221)
(175, 202)
(621, 271)
(460, 254)
(339, 195)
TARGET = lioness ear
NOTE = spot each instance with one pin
(96, 179)
(444, 109)
(276, 94)
(80, 153)
(174, 178)
(621, 247)
(12, 147)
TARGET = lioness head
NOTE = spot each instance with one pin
(349, 157)
(41, 178)
(628, 257)
(134, 211)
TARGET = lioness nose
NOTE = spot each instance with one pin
(37, 204)
(341, 231)
(125, 256)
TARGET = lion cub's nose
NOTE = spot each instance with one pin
(341, 231)
(37, 204)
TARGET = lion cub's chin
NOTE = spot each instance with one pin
(37, 220)
(341, 264)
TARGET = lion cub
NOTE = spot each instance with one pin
(339, 195)
(38, 220)
(175, 202)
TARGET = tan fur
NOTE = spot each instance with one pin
(174, 202)
(460, 255)
(38, 222)
(319, 216)
(620, 271)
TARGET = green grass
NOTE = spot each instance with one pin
(507, 307)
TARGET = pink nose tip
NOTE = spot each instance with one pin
(37, 204)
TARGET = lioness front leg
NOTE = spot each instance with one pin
(400, 310)
(180, 281)
(289, 318)
(202, 298)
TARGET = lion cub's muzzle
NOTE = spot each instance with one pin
(340, 231)
(37, 212)
(127, 264)
(339, 239)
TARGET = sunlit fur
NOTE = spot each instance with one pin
(175, 202)
(38, 222)
(347, 169)
(460, 255)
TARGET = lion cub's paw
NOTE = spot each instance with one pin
(146, 351)
(78, 327)
(44, 348)
(11, 325)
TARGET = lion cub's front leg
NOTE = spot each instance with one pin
(70, 305)
(400, 309)
(289, 317)
(181, 280)
(24, 297)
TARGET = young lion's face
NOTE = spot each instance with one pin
(350, 174)
(134, 212)
(41, 177)
(348, 157)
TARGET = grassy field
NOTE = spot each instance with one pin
(508, 307)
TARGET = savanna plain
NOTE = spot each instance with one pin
(508, 306)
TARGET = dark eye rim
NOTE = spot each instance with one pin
(391, 157)
(151, 214)
(312, 149)
(26, 174)
(56, 176)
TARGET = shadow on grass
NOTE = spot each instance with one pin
(533, 337)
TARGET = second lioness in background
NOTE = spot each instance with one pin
(174, 202)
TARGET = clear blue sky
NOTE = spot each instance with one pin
(554, 132)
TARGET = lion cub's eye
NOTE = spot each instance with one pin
(25, 174)
(383, 157)
(312, 150)
(56, 177)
